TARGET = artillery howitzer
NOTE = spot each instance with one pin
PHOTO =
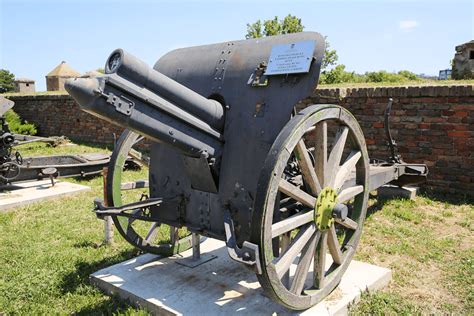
(15, 168)
(232, 159)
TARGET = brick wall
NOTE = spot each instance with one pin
(57, 115)
(431, 124)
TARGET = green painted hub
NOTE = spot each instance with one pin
(323, 208)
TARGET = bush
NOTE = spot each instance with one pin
(17, 126)
(384, 76)
(339, 75)
(408, 75)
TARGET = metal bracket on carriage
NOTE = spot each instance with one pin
(248, 254)
(391, 143)
(101, 210)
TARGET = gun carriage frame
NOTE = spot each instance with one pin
(231, 159)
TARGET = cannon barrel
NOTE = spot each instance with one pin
(128, 66)
(137, 97)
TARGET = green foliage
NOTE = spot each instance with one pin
(384, 76)
(330, 56)
(290, 24)
(408, 75)
(6, 81)
(340, 75)
(100, 70)
(17, 126)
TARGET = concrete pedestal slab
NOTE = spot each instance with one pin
(25, 193)
(220, 286)
(393, 192)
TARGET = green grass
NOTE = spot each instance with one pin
(49, 249)
(429, 246)
(43, 149)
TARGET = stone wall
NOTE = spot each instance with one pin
(59, 114)
(431, 124)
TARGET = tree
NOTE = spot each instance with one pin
(290, 24)
(6, 81)
(338, 75)
(330, 56)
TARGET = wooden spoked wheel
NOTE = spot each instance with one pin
(311, 204)
(122, 188)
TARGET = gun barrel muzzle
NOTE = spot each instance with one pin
(123, 103)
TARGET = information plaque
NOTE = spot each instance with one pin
(290, 58)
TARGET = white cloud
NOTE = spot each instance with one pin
(408, 25)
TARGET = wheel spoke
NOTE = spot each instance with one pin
(307, 254)
(336, 155)
(320, 261)
(284, 244)
(291, 223)
(333, 245)
(174, 235)
(346, 169)
(347, 222)
(347, 194)
(307, 168)
(131, 219)
(152, 232)
(296, 193)
(321, 152)
(139, 139)
(301, 239)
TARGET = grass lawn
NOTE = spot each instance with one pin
(48, 250)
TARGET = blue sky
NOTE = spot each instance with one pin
(419, 36)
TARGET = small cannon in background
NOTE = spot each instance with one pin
(14, 168)
(232, 159)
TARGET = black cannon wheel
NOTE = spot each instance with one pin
(141, 234)
(311, 204)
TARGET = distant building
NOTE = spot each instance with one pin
(24, 85)
(463, 67)
(56, 78)
(445, 74)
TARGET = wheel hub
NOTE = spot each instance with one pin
(323, 208)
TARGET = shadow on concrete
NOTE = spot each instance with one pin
(80, 276)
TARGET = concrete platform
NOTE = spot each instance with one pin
(393, 192)
(220, 286)
(29, 192)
